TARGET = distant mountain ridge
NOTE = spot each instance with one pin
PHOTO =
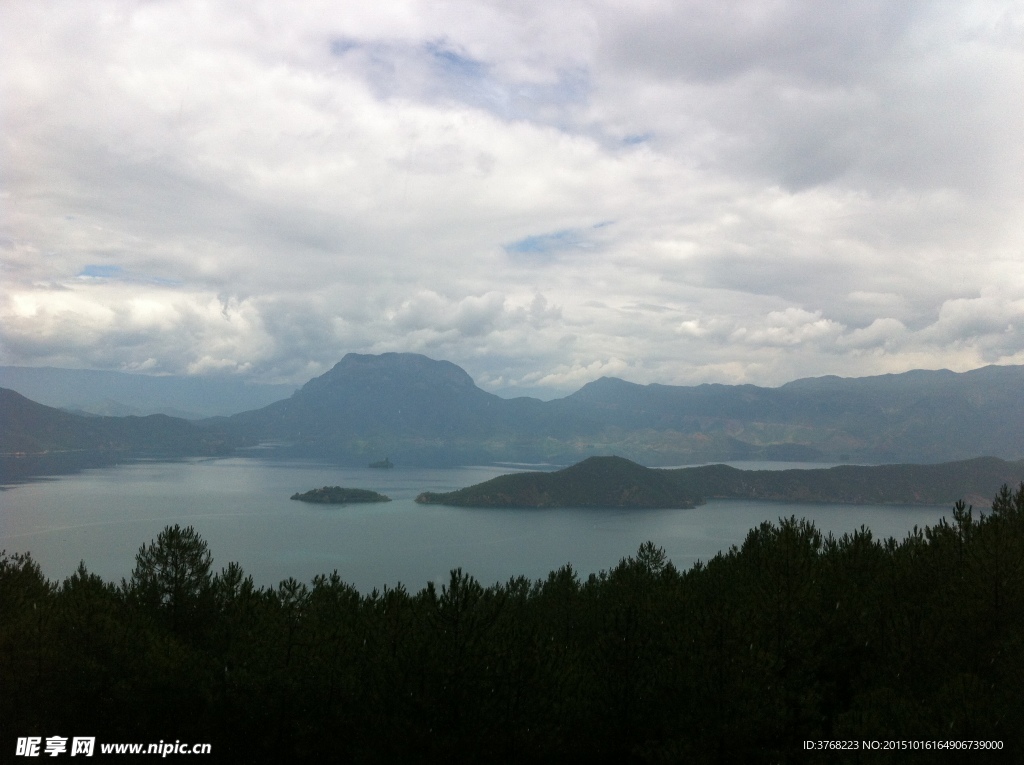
(917, 416)
(120, 394)
(423, 411)
(413, 408)
(39, 440)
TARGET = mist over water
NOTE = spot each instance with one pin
(241, 507)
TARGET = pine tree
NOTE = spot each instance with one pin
(172, 577)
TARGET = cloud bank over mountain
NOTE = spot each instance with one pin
(543, 193)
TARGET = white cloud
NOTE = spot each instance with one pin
(673, 192)
(881, 333)
(792, 326)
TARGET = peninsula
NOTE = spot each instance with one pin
(618, 482)
(594, 482)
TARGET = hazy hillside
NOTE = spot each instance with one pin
(37, 439)
(119, 394)
(918, 416)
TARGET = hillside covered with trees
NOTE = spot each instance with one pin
(41, 440)
(594, 482)
(789, 637)
(618, 482)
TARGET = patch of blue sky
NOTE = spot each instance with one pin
(97, 271)
(104, 271)
(454, 63)
(556, 241)
(453, 75)
(341, 46)
(637, 138)
(467, 80)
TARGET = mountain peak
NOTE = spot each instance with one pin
(603, 389)
(390, 369)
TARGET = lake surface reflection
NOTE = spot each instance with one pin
(241, 507)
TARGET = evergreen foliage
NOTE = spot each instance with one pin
(791, 636)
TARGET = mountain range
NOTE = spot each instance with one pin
(420, 411)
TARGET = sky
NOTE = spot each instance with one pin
(541, 192)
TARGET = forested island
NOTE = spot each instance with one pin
(337, 495)
(618, 482)
(790, 637)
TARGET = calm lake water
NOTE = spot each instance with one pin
(241, 507)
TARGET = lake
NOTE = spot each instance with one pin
(241, 507)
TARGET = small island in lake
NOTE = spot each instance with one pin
(384, 464)
(337, 495)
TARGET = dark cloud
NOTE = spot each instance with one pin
(830, 41)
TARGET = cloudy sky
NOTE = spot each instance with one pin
(542, 192)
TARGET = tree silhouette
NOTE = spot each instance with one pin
(172, 577)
